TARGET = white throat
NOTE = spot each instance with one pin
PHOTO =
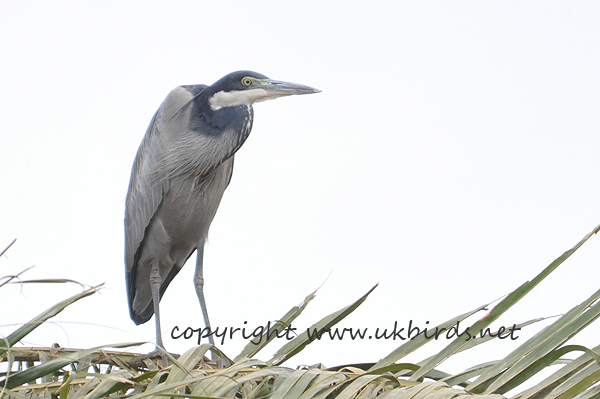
(223, 99)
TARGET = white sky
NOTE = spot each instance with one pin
(452, 154)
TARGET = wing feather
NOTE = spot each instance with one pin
(149, 179)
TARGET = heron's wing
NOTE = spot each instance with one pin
(146, 190)
(230, 172)
(149, 177)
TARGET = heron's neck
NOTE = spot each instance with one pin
(212, 138)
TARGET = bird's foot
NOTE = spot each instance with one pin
(157, 353)
(219, 359)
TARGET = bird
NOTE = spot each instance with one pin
(181, 170)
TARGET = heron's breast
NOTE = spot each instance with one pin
(188, 208)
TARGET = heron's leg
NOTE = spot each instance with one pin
(199, 283)
(155, 281)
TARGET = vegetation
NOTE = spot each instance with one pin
(100, 373)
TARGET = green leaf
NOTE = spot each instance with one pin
(34, 323)
(252, 349)
(421, 340)
(456, 345)
(521, 362)
(297, 344)
(294, 384)
(360, 383)
(187, 362)
(324, 383)
(50, 367)
(584, 363)
(580, 386)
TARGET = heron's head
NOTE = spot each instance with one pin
(247, 88)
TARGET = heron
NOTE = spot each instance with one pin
(182, 168)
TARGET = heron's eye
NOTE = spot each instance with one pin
(246, 81)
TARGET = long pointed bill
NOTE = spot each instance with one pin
(278, 88)
(262, 90)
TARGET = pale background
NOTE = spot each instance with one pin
(452, 154)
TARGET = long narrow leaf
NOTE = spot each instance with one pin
(539, 345)
(500, 309)
(580, 386)
(582, 362)
(294, 384)
(421, 340)
(300, 342)
(187, 362)
(9, 279)
(593, 393)
(502, 384)
(34, 323)
(361, 382)
(270, 333)
(323, 383)
(8, 246)
(50, 367)
(475, 371)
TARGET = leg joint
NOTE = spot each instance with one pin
(155, 275)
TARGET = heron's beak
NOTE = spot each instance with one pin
(277, 88)
(261, 90)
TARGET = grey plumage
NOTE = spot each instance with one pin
(181, 170)
(177, 182)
